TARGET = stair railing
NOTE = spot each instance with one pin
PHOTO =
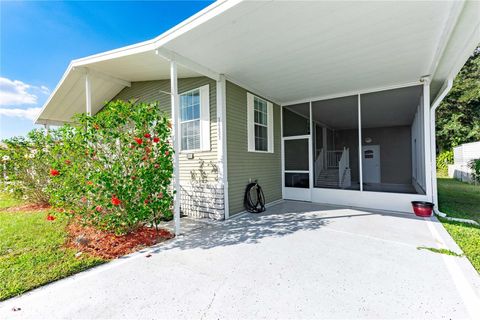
(344, 177)
(333, 157)
(319, 163)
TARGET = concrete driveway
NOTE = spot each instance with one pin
(299, 260)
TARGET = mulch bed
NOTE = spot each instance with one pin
(110, 246)
(29, 207)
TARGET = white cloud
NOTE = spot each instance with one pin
(30, 113)
(45, 90)
(15, 92)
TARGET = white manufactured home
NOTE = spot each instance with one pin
(330, 102)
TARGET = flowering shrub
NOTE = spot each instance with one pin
(114, 169)
(25, 166)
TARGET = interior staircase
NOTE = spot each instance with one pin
(327, 178)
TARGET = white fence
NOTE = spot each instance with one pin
(462, 155)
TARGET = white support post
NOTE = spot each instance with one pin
(176, 144)
(222, 141)
(324, 146)
(88, 93)
(310, 151)
(433, 156)
(427, 142)
(360, 153)
(282, 154)
(47, 128)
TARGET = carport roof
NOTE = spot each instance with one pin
(288, 51)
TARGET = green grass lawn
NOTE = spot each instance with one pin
(32, 252)
(6, 201)
(461, 200)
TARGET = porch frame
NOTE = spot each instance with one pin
(361, 198)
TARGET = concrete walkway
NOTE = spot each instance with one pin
(298, 260)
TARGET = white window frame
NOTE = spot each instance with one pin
(251, 124)
(204, 120)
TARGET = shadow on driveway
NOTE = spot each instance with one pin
(279, 220)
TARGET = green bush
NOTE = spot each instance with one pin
(443, 160)
(25, 166)
(474, 165)
(114, 169)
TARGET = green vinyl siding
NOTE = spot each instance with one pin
(243, 165)
(203, 168)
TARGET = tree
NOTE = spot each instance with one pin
(458, 116)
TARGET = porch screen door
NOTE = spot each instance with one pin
(296, 153)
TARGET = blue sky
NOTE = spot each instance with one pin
(39, 39)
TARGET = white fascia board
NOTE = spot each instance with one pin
(116, 53)
(471, 42)
(468, 45)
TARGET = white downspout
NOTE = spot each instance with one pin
(433, 144)
(176, 146)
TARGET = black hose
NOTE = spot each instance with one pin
(254, 200)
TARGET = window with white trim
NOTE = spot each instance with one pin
(260, 124)
(195, 120)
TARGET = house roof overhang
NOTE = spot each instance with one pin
(288, 51)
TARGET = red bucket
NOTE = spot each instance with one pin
(422, 208)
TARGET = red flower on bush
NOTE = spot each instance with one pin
(99, 208)
(50, 217)
(138, 140)
(146, 201)
(84, 199)
(68, 161)
(156, 139)
(116, 201)
(96, 126)
(90, 183)
(167, 153)
(147, 135)
(160, 195)
(54, 172)
(133, 177)
(157, 165)
(147, 149)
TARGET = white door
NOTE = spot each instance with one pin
(371, 163)
(296, 168)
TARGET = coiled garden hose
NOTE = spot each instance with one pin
(254, 200)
